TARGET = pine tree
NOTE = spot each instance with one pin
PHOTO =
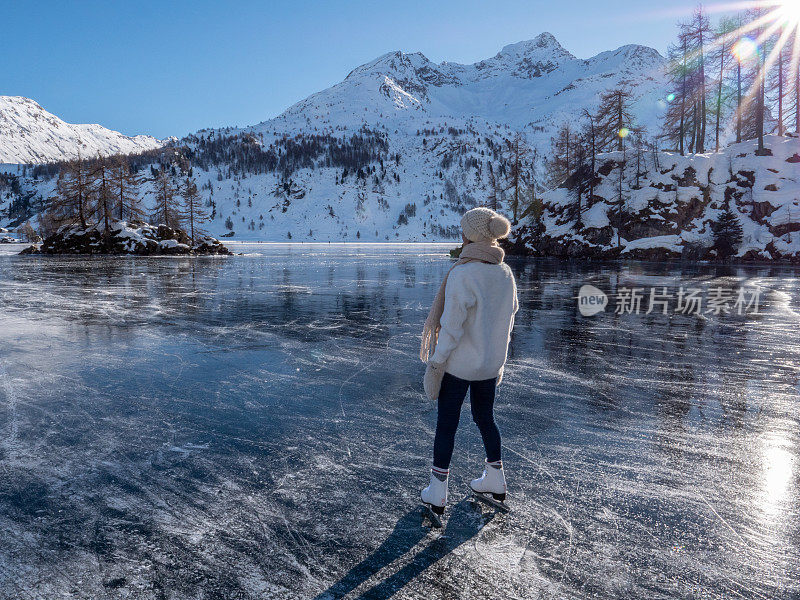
(739, 107)
(749, 113)
(796, 87)
(621, 198)
(73, 200)
(518, 158)
(686, 118)
(721, 56)
(727, 231)
(590, 136)
(534, 213)
(779, 76)
(193, 213)
(560, 165)
(778, 87)
(700, 34)
(534, 183)
(103, 194)
(760, 79)
(496, 193)
(579, 182)
(614, 118)
(696, 113)
(125, 184)
(674, 127)
(166, 210)
(639, 141)
(27, 233)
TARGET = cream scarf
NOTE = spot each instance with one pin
(472, 252)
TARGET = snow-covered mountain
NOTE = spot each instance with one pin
(30, 134)
(533, 85)
(444, 126)
(398, 149)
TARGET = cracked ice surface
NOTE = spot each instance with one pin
(254, 427)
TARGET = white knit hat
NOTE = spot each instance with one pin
(484, 225)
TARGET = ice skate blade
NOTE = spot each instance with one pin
(486, 498)
(433, 517)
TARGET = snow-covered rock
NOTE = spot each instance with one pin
(125, 238)
(30, 134)
(670, 212)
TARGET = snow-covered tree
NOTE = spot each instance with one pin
(727, 232)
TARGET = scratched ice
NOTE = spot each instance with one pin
(254, 427)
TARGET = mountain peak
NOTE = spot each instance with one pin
(631, 55)
(639, 51)
(391, 62)
(19, 100)
(543, 45)
(528, 59)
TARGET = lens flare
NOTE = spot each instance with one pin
(624, 132)
(744, 49)
(671, 97)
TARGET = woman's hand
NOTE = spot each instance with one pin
(432, 381)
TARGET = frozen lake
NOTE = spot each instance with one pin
(254, 427)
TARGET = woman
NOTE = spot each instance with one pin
(468, 330)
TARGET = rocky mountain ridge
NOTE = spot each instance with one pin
(30, 134)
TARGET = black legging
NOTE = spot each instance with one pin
(451, 397)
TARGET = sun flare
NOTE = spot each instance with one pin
(744, 49)
(790, 11)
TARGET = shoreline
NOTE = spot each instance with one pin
(14, 250)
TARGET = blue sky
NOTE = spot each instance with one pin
(172, 67)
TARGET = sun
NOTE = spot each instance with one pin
(790, 10)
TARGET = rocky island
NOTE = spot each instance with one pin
(126, 237)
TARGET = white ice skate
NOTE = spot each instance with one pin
(491, 486)
(434, 497)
